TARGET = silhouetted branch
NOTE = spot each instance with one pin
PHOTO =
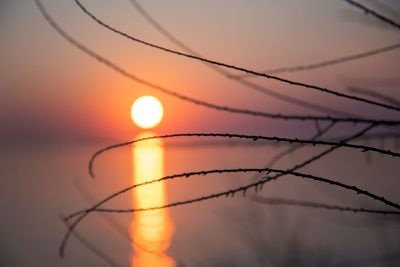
(233, 67)
(317, 156)
(386, 8)
(329, 62)
(292, 149)
(77, 217)
(240, 136)
(261, 89)
(256, 185)
(93, 248)
(371, 93)
(114, 224)
(296, 147)
(228, 193)
(249, 143)
(373, 13)
(316, 205)
(382, 135)
(288, 99)
(195, 101)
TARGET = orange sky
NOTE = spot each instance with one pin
(47, 84)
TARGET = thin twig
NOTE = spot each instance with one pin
(353, 188)
(377, 95)
(261, 89)
(249, 143)
(296, 147)
(192, 100)
(240, 136)
(233, 67)
(317, 205)
(256, 185)
(329, 62)
(373, 13)
(114, 224)
(93, 248)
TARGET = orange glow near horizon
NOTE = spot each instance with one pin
(147, 112)
(150, 231)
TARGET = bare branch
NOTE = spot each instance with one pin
(240, 136)
(256, 185)
(261, 89)
(93, 248)
(330, 62)
(192, 100)
(231, 192)
(367, 92)
(317, 205)
(373, 13)
(233, 67)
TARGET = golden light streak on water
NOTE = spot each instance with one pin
(150, 231)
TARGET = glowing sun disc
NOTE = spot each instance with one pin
(147, 112)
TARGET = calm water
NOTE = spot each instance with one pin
(40, 183)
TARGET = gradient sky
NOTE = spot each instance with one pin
(46, 85)
(50, 89)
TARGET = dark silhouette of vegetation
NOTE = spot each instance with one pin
(233, 67)
(243, 136)
(266, 174)
(316, 205)
(371, 93)
(192, 100)
(330, 62)
(92, 247)
(257, 186)
(236, 78)
(373, 13)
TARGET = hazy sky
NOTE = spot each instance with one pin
(46, 85)
(49, 88)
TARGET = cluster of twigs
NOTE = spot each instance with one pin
(233, 67)
(196, 101)
(268, 173)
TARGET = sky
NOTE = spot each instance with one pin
(49, 87)
(50, 91)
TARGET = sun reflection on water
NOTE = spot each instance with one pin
(151, 231)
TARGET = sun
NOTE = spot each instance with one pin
(147, 112)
